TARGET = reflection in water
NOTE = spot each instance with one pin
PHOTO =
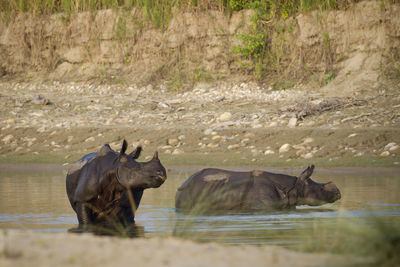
(131, 231)
(36, 200)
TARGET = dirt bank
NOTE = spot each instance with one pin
(217, 124)
(61, 249)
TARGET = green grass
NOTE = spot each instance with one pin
(377, 241)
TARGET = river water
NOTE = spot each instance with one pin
(33, 198)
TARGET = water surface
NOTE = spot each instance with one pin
(34, 199)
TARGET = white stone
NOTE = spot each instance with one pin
(8, 139)
(292, 123)
(230, 147)
(181, 137)
(216, 137)
(90, 139)
(269, 152)
(389, 146)
(172, 141)
(309, 155)
(208, 131)
(177, 152)
(226, 116)
(308, 140)
(394, 148)
(284, 148)
(352, 135)
(385, 154)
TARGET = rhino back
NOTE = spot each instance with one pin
(213, 189)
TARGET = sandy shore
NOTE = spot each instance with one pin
(65, 249)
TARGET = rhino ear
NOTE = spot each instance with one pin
(155, 156)
(124, 147)
(306, 173)
(136, 153)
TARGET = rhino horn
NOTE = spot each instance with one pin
(136, 153)
(306, 173)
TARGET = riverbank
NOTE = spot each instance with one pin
(222, 124)
(63, 249)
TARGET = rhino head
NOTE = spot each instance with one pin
(313, 193)
(133, 174)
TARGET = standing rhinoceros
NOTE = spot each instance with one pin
(223, 190)
(98, 184)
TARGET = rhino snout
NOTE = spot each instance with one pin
(331, 187)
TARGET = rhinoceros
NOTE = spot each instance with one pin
(223, 190)
(101, 186)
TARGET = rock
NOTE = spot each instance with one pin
(309, 155)
(389, 146)
(211, 145)
(10, 121)
(70, 138)
(308, 140)
(268, 152)
(8, 139)
(177, 152)
(39, 100)
(172, 142)
(216, 137)
(166, 147)
(284, 148)
(292, 123)
(273, 124)
(235, 146)
(249, 135)
(146, 142)
(385, 154)
(352, 135)
(181, 137)
(90, 139)
(394, 148)
(208, 131)
(226, 116)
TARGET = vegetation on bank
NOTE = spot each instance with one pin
(258, 54)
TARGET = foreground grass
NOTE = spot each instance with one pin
(377, 241)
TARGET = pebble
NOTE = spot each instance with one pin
(268, 152)
(385, 154)
(389, 146)
(309, 155)
(208, 131)
(8, 139)
(181, 137)
(292, 123)
(394, 148)
(226, 116)
(172, 142)
(90, 139)
(352, 135)
(284, 148)
(177, 151)
(235, 146)
(212, 145)
(308, 140)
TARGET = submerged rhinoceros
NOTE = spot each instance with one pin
(98, 184)
(223, 190)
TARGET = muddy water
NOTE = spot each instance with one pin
(33, 198)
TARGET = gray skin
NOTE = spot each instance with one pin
(98, 184)
(223, 190)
